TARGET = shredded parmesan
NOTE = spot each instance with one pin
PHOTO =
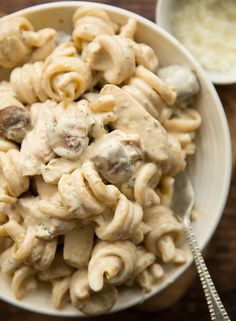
(208, 29)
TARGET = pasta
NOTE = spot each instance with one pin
(92, 135)
(160, 240)
(87, 301)
(111, 263)
(15, 183)
(89, 23)
(19, 42)
(60, 77)
(116, 57)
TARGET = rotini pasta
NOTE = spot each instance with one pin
(114, 56)
(92, 134)
(63, 78)
(111, 263)
(165, 229)
(121, 224)
(86, 199)
(89, 23)
(87, 301)
(66, 78)
(19, 42)
(15, 183)
(23, 281)
(42, 224)
(60, 293)
(150, 276)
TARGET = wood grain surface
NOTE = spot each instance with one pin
(221, 257)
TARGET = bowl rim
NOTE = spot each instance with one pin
(225, 133)
(218, 78)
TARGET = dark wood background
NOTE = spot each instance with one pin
(221, 257)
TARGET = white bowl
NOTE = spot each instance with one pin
(164, 13)
(210, 169)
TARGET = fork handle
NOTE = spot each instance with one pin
(216, 307)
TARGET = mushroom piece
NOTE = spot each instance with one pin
(115, 155)
(14, 123)
(68, 139)
(184, 80)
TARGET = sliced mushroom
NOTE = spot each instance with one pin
(14, 123)
(68, 138)
(184, 80)
(116, 155)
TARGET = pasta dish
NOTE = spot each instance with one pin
(92, 133)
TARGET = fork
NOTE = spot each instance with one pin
(182, 204)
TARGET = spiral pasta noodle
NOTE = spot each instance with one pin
(165, 230)
(87, 301)
(144, 54)
(121, 224)
(128, 30)
(26, 249)
(150, 276)
(176, 157)
(42, 224)
(86, 199)
(89, 23)
(147, 272)
(15, 182)
(144, 192)
(117, 262)
(143, 92)
(23, 281)
(144, 259)
(19, 42)
(183, 124)
(165, 190)
(60, 294)
(27, 82)
(64, 78)
(112, 55)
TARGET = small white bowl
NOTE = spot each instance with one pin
(164, 14)
(210, 168)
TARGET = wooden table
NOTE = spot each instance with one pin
(221, 258)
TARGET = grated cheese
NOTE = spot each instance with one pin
(208, 29)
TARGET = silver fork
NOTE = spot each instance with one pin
(182, 203)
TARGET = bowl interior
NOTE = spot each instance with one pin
(210, 168)
(165, 10)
